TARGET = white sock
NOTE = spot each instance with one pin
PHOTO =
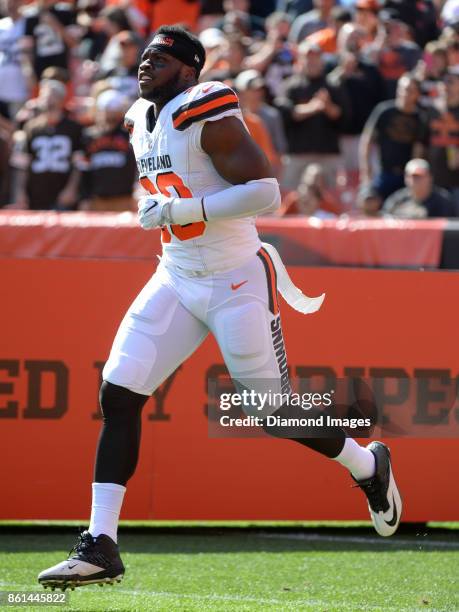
(107, 499)
(359, 460)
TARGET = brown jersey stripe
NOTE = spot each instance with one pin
(215, 95)
(272, 280)
(208, 109)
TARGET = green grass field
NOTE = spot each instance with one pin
(325, 570)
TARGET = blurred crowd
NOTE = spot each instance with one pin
(355, 103)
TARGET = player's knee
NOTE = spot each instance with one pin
(118, 403)
(128, 372)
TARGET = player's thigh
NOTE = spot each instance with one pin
(156, 335)
(252, 344)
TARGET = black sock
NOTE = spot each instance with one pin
(329, 441)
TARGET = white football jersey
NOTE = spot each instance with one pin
(171, 160)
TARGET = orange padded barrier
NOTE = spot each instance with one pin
(58, 318)
(301, 240)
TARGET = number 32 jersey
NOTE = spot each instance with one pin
(171, 161)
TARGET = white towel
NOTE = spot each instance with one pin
(291, 294)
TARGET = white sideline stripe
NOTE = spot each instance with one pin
(308, 603)
(292, 604)
(314, 537)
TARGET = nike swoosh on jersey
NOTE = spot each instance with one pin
(393, 520)
(206, 89)
(234, 287)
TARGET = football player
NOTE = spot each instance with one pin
(207, 181)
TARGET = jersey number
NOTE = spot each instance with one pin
(164, 181)
(52, 153)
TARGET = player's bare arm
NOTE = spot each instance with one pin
(234, 153)
(239, 161)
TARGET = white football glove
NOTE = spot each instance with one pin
(154, 211)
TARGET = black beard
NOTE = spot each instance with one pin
(167, 91)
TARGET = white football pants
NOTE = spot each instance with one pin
(175, 311)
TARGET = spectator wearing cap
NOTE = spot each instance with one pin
(442, 135)
(211, 39)
(312, 110)
(393, 51)
(364, 87)
(260, 134)
(123, 76)
(46, 152)
(316, 19)
(275, 55)
(215, 44)
(250, 86)
(420, 198)
(227, 61)
(396, 128)
(366, 17)
(108, 164)
(327, 38)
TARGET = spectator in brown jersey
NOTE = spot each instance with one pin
(396, 129)
(364, 88)
(313, 110)
(442, 137)
(46, 152)
(108, 166)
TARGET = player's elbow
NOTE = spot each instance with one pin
(272, 195)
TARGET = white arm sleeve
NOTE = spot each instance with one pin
(252, 198)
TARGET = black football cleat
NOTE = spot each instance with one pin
(91, 561)
(384, 501)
